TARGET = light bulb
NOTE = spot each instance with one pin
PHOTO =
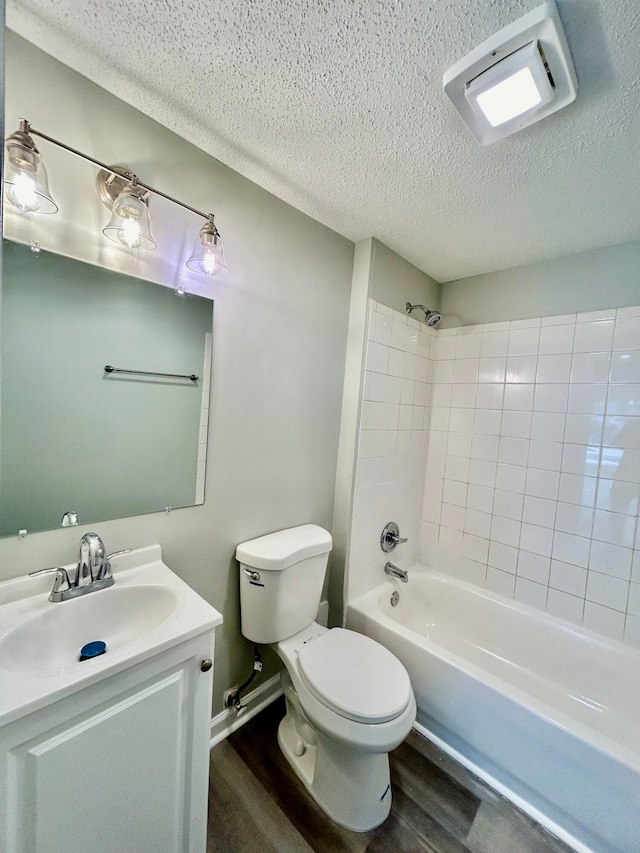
(130, 234)
(209, 263)
(22, 192)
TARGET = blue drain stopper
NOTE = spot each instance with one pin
(93, 650)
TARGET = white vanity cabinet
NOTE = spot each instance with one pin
(119, 767)
(111, 754)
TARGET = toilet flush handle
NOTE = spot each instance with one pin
(255, 576)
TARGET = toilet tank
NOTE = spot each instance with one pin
(281, 578)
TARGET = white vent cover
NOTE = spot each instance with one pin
(515, 78)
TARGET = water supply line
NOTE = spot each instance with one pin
(233, 699)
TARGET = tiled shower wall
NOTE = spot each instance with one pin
(392, 445)
(533, 474)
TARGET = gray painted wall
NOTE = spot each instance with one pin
(394, 281)
(590, 281)
(63, 416)
(279, 345)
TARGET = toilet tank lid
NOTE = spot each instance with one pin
(284, 548)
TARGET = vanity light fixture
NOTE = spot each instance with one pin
(515, 78)
(120, 190)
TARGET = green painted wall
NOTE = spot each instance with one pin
(75, 437)
(590, 281)
(279, 343)
(394, 281)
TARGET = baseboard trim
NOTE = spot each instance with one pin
(516, 799)
(227, 721)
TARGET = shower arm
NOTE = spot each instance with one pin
(409, 308)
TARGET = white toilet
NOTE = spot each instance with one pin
(349, 700)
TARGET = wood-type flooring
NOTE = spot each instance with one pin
(258, 805)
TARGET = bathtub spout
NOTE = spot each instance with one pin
(395, 572)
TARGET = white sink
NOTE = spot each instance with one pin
(51, 641)
(147, 610)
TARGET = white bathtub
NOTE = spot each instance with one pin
(548, 712)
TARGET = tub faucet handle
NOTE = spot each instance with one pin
(390, 537)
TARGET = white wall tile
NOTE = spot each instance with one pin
(568, 548)
(568, 578)
(539, 511)
(627, 333)
(545, 454)
(542, 484)
(587, 399)
(603, 620)
(468, 345)
(503, 557)
(492, 369)
(614, 527)
(565, 606)
(555, 340)
(506, 531)
(625, 366)
(532, 483)
(534, 567)
(571, 518)
(618, 496)
(610, 559)
(508, 504)
(608, 591)
(499, 582)
(554, 368)
(521, 368)
(524, 341)
(519, 397)
(536, 540)
(583, 429)
(591, 367)
(494, 343)
(547, 426)
(594, 336)
(516, 424)
(530, 593)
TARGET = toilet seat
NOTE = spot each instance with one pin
(355, 676)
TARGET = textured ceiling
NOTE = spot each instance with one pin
(337, 107)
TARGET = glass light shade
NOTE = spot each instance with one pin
(207, 256)
(25, 179)
(130, 224)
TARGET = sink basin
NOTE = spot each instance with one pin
(148, 611)
(51, 641)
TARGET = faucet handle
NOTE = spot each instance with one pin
(61, 582)
(105, 570)
(390, 537)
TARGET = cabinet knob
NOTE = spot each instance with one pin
(206, 665)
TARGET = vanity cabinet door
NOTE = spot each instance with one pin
(126, 774)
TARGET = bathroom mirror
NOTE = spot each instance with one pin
(76, 438)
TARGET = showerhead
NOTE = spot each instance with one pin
(431, 318)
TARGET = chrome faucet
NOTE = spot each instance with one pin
(395, 572)
(93, 570)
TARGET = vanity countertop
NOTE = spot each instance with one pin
(148, 610)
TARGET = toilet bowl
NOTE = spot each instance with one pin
(349, 700)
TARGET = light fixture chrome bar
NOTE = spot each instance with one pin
(26, 127)
(108, 368)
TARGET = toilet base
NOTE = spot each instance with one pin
(353, 787)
